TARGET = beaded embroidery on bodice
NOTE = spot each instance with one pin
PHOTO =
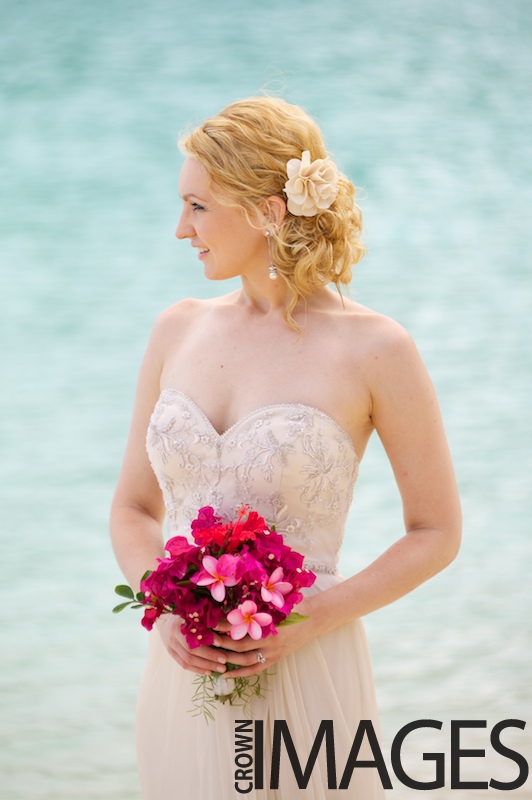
(292, 463)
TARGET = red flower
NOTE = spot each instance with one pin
(207, 528)
(245, 529)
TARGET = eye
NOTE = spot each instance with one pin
(197, 207)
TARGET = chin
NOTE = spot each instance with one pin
(219, 275)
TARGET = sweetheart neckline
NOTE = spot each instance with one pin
(262, 409)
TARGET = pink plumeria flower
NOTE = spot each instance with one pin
(245, 620)
(217, 574)
(274, 588)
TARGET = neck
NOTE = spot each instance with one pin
(264, 295)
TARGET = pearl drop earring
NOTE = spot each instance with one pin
(272, 270)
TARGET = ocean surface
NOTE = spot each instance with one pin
(427, 107)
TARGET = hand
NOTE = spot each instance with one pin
(244, 652)
(202, 660)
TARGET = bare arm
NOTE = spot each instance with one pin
(137, 510)
(405, 413)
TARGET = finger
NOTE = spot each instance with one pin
(223, 626)
(250, 670)
(203, 663)
(204, 658)
(214, 655)
(248, 659)
(244, 645)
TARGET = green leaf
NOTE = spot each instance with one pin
(292, 618)
(140, 596)
(146, 574)
(138, 605)
(125, 591)
(121, 607)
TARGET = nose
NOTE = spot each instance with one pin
(184, 229)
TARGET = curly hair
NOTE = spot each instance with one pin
(245, 149)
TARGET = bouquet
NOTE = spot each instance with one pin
(239, 571)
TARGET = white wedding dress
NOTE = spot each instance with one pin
(296, 467)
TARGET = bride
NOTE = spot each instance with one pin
(268, 396)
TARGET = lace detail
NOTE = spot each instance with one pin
(292, 463)
(259, 411)
(319, 566)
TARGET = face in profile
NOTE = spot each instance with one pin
(227, 244)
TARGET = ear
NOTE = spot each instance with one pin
(274, 210)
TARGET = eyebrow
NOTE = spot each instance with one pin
(191, 194)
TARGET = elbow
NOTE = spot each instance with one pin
(454, 533)
(439, 547)
(452, 551)
(449, 534)
(451, 540)
(457, 543)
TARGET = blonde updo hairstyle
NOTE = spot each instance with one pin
(245, 150)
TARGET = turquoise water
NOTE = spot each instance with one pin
(427, 107)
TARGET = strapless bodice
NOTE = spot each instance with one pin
(292, 463)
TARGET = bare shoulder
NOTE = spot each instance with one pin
(383, 356)
(179, 319)
(180, 315)
(375, 336)
(373, 321)
(398, 382)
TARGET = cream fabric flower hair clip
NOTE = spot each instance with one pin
(312, 186)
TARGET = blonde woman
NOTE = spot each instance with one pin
(268, 396)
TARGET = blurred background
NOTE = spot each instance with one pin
(427, 108)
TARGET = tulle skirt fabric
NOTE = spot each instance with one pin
(181, 756)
